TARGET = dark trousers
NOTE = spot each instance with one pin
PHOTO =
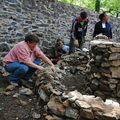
(72, 46)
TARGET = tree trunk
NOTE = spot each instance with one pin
(97, 6)
(117, 15)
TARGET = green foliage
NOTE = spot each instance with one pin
(112, 6)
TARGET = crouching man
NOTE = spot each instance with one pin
(24, 59)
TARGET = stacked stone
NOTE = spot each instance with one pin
(61, 104)
(76, 60)
(105, 68)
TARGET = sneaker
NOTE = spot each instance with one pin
(30, 80)
(11, 82)
(14, 84)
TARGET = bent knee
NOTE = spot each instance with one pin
(24, 68)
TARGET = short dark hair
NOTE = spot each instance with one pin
(60, 40)
(102, 15)
(83, 15)
(32, 38)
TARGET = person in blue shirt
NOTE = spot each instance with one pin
(59, 49)
(103, 26)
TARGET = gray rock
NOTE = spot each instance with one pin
(25, 91)
(72, 113)
(43, 95)
(4, 47)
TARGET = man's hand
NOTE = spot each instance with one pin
(41, 68)
(53, 68)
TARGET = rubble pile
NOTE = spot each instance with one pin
(105, 68)
(61, 104)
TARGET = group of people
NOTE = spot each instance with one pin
(79, 29)
(25, 57)
(78, 33)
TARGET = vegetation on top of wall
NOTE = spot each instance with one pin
(111, 6)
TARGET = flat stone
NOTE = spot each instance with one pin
(87, 113)
(25, 91)
(115, 72)
(8, 93)
(114, 81)
(106, 74)
(115, 63)
(109, 116)
(43, 95)
(49, 117)
(105, 64)
(76, 95)
(115, 49)
(114, 56)
(10, 87)
(116, 44)
(82, 104)
(96, 42)
(72, 113)
(56, 106)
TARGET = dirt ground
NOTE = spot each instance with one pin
(75, 82)
(12, 109)
(21, 108)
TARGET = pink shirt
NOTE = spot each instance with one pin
(22, 53)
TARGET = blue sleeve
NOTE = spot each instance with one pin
(66, 48)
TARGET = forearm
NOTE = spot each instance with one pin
(33, 65)
(47, 60)
(85, 31)
(73, 30)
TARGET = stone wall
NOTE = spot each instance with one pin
(49, 19)
(105, 68)
(71, 101)
(62, 104)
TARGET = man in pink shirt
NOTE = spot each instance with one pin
(24, 59)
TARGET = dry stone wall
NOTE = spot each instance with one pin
(49, 19)
(61, 104)
(105, 68)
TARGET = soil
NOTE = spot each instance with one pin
(75, 82)
(12, 109)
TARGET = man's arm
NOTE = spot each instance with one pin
(42, 56)
(33, 65)
(73, 30)
(47, 60)
(85, 30)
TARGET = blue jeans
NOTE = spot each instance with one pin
(19, 70)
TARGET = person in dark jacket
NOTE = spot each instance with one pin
(103, 26)
(78, 32)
